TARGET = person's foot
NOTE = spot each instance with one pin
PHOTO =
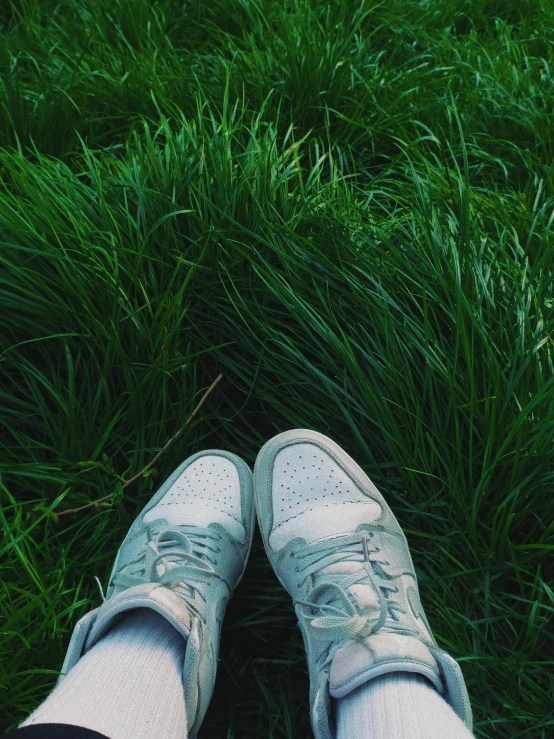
(182, 557)
(337, 548)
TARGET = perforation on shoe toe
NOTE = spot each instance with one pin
(304, 475)
(207, 491)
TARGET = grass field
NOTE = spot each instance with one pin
(347, 210)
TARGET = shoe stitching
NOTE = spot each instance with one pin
(180, 502)
(325, 505)
(333, 495)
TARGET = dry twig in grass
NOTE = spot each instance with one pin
(154, 459)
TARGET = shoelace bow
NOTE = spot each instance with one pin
(332, 614)
(179, 556)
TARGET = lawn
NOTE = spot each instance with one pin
(345, 209)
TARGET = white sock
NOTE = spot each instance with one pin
(399, 705)
(128, 686)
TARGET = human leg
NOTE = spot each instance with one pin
(166, 598)
(337, 548)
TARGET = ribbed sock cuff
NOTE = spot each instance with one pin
(399, 705)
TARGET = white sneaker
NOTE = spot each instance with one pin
(183, 556)
(337, 548)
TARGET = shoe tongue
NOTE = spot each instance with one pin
(148, 595)
(362, 593)
(360, 661)
(164, 567)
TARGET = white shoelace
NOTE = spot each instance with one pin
(178, 557)
(332, 613)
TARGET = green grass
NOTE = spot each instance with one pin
(347, 209)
